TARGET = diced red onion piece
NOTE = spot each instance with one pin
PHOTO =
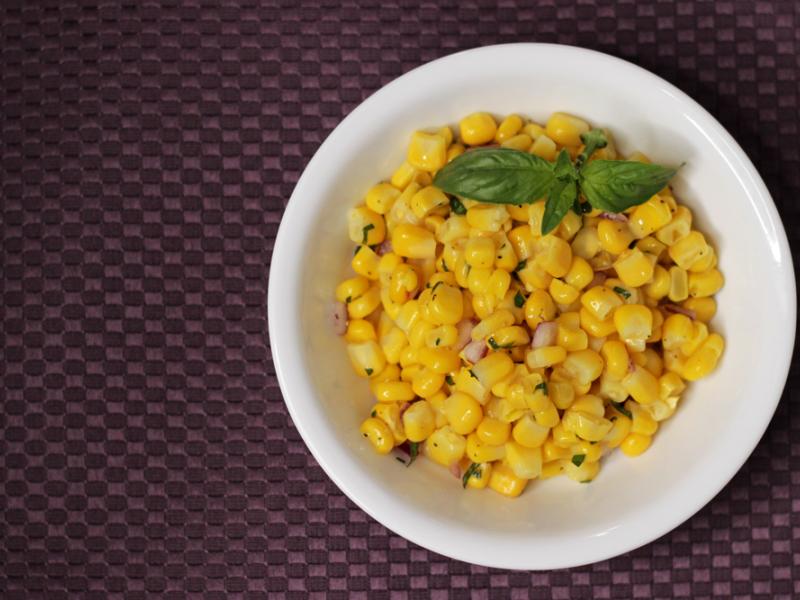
(338, 318)
(384, 248)
(455, 470)
(675, 309)
(474, 351)
(545, 334)
(631, 365)
(464, 332)
(618, 217)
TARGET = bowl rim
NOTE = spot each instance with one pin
(288, 354)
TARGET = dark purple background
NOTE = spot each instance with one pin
(148, 149)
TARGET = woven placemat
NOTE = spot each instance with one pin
(147, 150)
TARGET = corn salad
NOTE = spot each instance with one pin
(507, 356)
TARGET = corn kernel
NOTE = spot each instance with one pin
(586, 243)
(524, 462)
(505, 482)
(580, 273)
(508, 128)
(570, 224)
(455, 151)
(616, 359)
(649, 217)
(589, 404)
(539, 307)
(487, 217)
(427, 151)
(365, 226)
(563, 293)
(367, 358)
(427, 383)
(528, 433)
(390, 414)
(634, 323)
(588, 427)
(381, 197)
(677, 229)
(566, 129)
(545, 356)
(426, 200)
(553, 254)
(600, 301)
(642, 385)
(708, 283)
(521, 142)
(621, 427)
(477, 128)
(493, 431)
(688, 250)
(613, 236)
(445, 446)
(359, 330)
(411, 241)
(463, 412)
(544, 147)
(704, 308)
(704, 360)
(679, 284)
(634, 267)
(446, 306)
(660, 284)
(492, 368)
(352, 288)
(378, 434)
(584, 366)
(635, 444)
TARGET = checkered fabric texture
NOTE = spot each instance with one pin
(147, 151)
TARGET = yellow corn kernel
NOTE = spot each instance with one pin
(561, 394)
(495, 322)
(381, 197)
(708, 261)
(708, 283)
(505, 258)
(365, 262)
(498, 284)
(508, 128)
(477, 128)
(613, 236)
(533, 129)
(378, 434)
(390, 307)
(367, 358)
(524, 462)
(642, 385)
(393, 391)
(426, 200)
(487, 217)
(352, 288)
(651, 245)
(544, 147)
(479, 477)
(521, 142)
(539, 307)
(469, 384)
(704, 360)
(404, 175)
(643, 423)
(572, 339)
(455, 151)
(580, 273)
(600, 301)
(479, 451)
(427, 151)
(522, 241)
(411, 241)
(437, 404)
(651, 360)
(401, 211)
(365, 304)
(566, 129)
(519, 212)
(584, 366)
(590, 452)
(688, 250)
(508, 337)
(427, 383)
(445, 446)
(393, 343)
(454, 228)
(679, 284)
(649, 217)
(589, 404)
(403, 283)
(699, 335)
(634, 267)
(545, 356)
(676, 331)
(463, 412)
(661, 410)
(635, 444)
(670, 384)
(594, 326)
(634, 324)
(535, 216)
(563, 438)
(503, 481)
(704, 308)
(563, 293)
(389, 373)
(492, 368)
(533, 276)
(621, 427)
(439, 360)
(365, 226)
(446, 306)
(660, 285)
(493, 431)
(552, 451)
(569, 226)
(408, 316)
(528, 433)
(587, 427)
(547, 417)
(443, 336)
(418, 421)
(359, 330)
(584, 473)
(390, 414)
(611, 388)
(553, 254)
(586, 243)
(616, 359)
(677, 229)
(479, 252)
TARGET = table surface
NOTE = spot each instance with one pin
(147, 151)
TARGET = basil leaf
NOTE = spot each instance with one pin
(519, 300)
(577, 459)
(559, 201)
(563, 166)
(473, 469)
(621, 408)
(616, 185)
(498, 175)
(592, 140)
(457, 207)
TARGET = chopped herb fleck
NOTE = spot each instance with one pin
(520, 265)
(632, 245)
(413, 452)
(373, 414)
(365, 231)
(444, 267)
(437, 284)
(437, 341)
(586, 481)
(621, 408)
(622, 292)
(400, 460)
(348, 300)
(542, 386)
(357, 249)
(519, 300)
(473, 470)
(368, 370)
(449, 379)
(592, 443)
(495, 346)
(457, 207)
(577, 459)
(472, 374)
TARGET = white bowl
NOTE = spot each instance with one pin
(555, 523)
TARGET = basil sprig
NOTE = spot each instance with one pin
(507, 176)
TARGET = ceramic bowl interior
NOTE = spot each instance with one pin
(555, 523)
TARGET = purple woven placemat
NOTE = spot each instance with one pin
(147, 150)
